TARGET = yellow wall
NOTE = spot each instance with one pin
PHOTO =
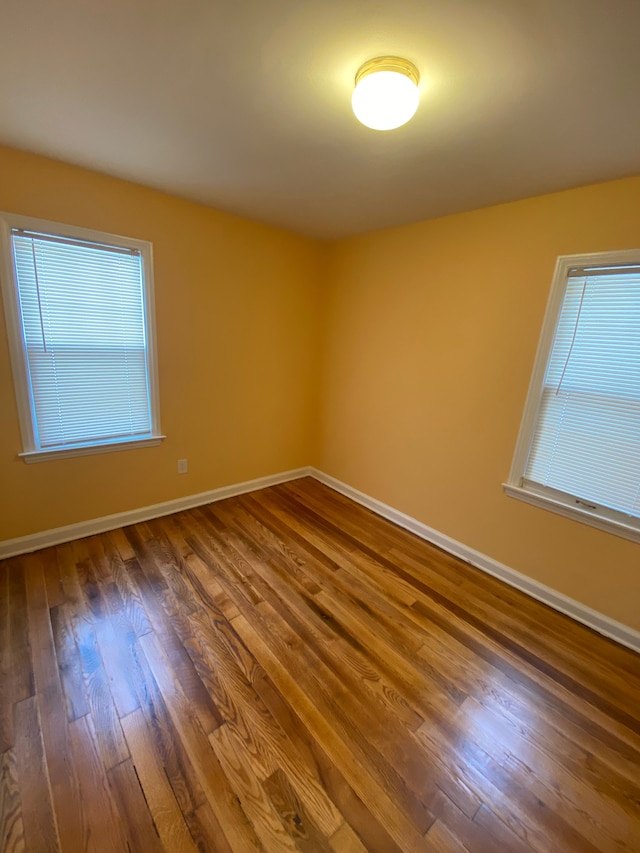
(427, 335)
(431, 333)
(236, 306)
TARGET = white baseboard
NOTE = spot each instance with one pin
(580, 612)
(570, 607)
(35, 541)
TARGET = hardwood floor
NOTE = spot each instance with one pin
(286, 671)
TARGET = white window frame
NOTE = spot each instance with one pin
(17, 347)
(546, 498)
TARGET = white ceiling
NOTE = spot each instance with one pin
(245, 104)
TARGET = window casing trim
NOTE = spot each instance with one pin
(568, 510)
(517, 486)
(91, 449)
(17, 347)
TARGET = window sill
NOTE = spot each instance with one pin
(609, 525)
(30, 456)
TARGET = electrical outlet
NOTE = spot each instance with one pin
(182, 466)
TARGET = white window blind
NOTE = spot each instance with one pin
(586, 438)
(82, 311)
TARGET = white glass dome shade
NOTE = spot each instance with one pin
(386, 92)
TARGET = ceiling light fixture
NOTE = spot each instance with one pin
(386, 92)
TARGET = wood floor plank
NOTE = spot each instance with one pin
(118, 539)
(362, 824)
(174, 634)
(351, 655)
(6, 698)
(283, 524)
(12, 837)
(566, 793)
(232, 691)
(39, 823)
(293, 814)
(503, 837)
(371, 721)
(442, 840)
(526, 677)
(51, 706)
(68, 662)
(162, 804)
(477, 837)
(169, 747)
(356, 523)
(220, 795)
(345, 840)
(103, 828)
(561, 630)
(206, 831)
(20, 668)
(111, 642)
(133, 809)
(526, 640)
(128, 591)
(109, 735)
(255, 803)
(373, 793)
(529, 817)
(284, 670)
(52, 579)
(232, 688)
(533, 737)
(275, 628)
(578, 743)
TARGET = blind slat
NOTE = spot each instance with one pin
(82, 308)
(587, 437)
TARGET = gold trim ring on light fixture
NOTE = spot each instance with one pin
(389, 63)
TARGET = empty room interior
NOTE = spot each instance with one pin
(320, 426)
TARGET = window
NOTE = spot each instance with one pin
(79, 309)
(578, 452)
